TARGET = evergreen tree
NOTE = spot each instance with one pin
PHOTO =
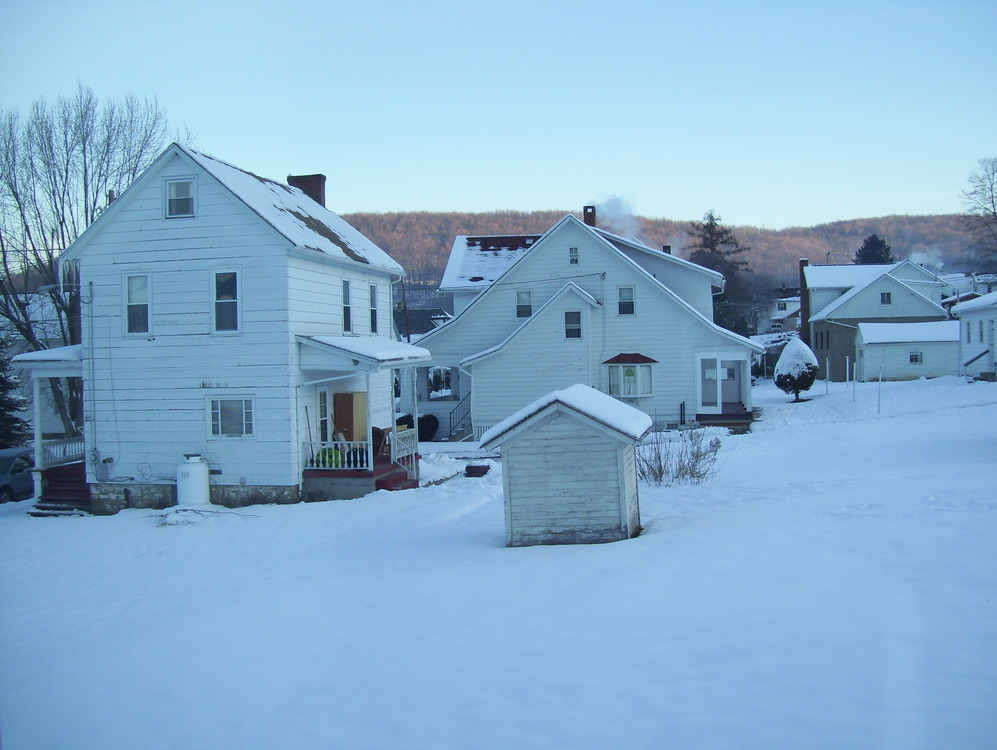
(874, 250)
(14, 431)
(714, 246)
(796, 370)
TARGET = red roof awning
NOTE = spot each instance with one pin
(630, 359)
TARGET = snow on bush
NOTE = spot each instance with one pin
(796, 369)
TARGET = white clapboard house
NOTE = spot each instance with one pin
(835, 299)
(578, 304)
(236, 318)
(978, 336)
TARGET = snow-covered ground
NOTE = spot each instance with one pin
(833, 586)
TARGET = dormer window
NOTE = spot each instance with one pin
(179, 198)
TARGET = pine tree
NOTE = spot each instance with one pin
(796, 370)
(714, 246)
(874, 250)
(14, 431)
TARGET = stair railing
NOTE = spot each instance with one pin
(459, 413)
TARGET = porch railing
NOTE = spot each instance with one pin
(336, 454)
(59, 452)
(405, 450)
(459, 413)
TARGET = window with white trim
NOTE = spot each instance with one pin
(625, 300)
(524, 304)
(347, 308)
(572, 256)
(885, 298)
(179, 198)
(231, 417)
(137, 303)
(373, 308)
(630, 380)
(572, 324)
(914, 358)
(225, 301)
(780, 306)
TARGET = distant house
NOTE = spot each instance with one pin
(569, 469)
(907, 351)
(234, 317)
(411, 323)
(835, 299)
(578, 304)
(781, 314)
(977, 320)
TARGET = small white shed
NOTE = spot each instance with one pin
(569, 468)
(907, 351)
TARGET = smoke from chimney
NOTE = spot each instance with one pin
(312, 185)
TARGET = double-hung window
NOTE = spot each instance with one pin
(225, 300)
(572, 256)
(572, 324)
(625, 304)
(885, 298)
(179, 198)
(347, 309)
(231, 417)
(524, 304)
(137, 300)
(373, 308)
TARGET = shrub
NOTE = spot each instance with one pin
(664, 460)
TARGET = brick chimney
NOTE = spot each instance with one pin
(588, 215)
(312, 185)
(804, 304)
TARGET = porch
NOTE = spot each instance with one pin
(342, 469)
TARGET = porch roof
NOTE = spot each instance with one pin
(358, 353)
(60, 362)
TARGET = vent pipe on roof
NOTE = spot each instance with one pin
(588, 215)
(312, 185)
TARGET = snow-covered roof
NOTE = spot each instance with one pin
(858, 289)
(377, 350)
(909, 333)
(987, 300)
(845, 276)
(477, 261)
(72, 353)
(622, 418)
(304, 222)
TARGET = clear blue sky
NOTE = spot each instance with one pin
(773, 114)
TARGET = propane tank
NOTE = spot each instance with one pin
(192, 481)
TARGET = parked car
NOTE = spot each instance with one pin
(16, 480)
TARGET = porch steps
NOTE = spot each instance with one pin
(392, 477)
(736, 420)
(64, 492)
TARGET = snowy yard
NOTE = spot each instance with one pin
(833, 586)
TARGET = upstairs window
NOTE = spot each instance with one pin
(625, 300)
(572, 324)
(179, 198)
(524, 304)
(231, 417)
(885, 298)
(226, 301)
(137, 303)
(373, 308)
(572, 256)
(347, 308)
(780, 306)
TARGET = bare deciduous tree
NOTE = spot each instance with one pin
(60, 166)
(980, 200)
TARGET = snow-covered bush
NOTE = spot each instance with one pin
(796, 369)
(662, 460)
